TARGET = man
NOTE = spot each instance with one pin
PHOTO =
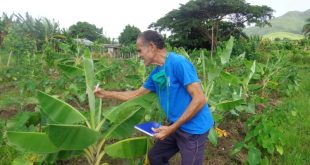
(176, 83)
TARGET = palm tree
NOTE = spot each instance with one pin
(306, 28)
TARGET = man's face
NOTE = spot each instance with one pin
(145, 51)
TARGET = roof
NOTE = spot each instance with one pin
(84, 41)
(112, 45)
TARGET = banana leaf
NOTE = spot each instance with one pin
(227, 52)
(71, 71)
(62, 155)
(228, 105)
(124, 128)
(212, 136)
(59, 111)
(72, 137)
(90, 83)
(213, 73)
(31, 142)
(229, 78)
(118, 113)
(247, 79)
(128, 148)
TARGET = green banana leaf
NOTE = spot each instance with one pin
(71, 71)
(118, 113)
(128, 148)
(31, 142)
(228, 105)
(128, 114)
(59, 111)
(213, 73)
(62, 155)
(90, 83)
(65, 154)
(227, 52)
(247, 79)
(229, 78)
(72, 137)
(212, 136)
(124, 128)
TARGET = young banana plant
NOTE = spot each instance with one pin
(69, 132)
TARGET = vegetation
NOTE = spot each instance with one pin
(292, 22)
(64, 131)
(295, 129)
(256, 88)
(283, 35)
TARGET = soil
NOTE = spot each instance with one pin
(12, 110)
(220, 155)
(8, 112)
(29, 107)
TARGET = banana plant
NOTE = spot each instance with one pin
(220, 81)
(68, 131)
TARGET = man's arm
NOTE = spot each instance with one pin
(198, 101)
(124, 96)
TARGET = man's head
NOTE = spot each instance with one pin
(149, 43)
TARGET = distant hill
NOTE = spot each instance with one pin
(291, 21)
(282, 35)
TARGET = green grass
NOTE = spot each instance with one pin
(282, 35)
(9, 96)
(4, 58)
(7, 153)
(297, 130)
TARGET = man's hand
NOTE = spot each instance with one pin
(99, 93)
(163, 132)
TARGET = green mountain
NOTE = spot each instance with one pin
(282, 35)
(292, 22)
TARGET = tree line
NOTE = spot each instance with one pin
(195, 24)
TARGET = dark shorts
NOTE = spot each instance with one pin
(191, 148)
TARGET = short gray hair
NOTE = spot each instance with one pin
(152, 36)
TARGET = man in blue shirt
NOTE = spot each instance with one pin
(176, 83)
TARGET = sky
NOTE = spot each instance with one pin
(114, 15)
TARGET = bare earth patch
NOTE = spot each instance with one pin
(8, 112)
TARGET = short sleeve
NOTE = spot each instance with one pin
(149, 83)
(185, 72)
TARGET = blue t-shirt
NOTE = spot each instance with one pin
(180, 73)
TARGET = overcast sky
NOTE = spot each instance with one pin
(114, 15)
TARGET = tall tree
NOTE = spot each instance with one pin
(86, 30)
(306, 28)
(129, 35)
(201, 23)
